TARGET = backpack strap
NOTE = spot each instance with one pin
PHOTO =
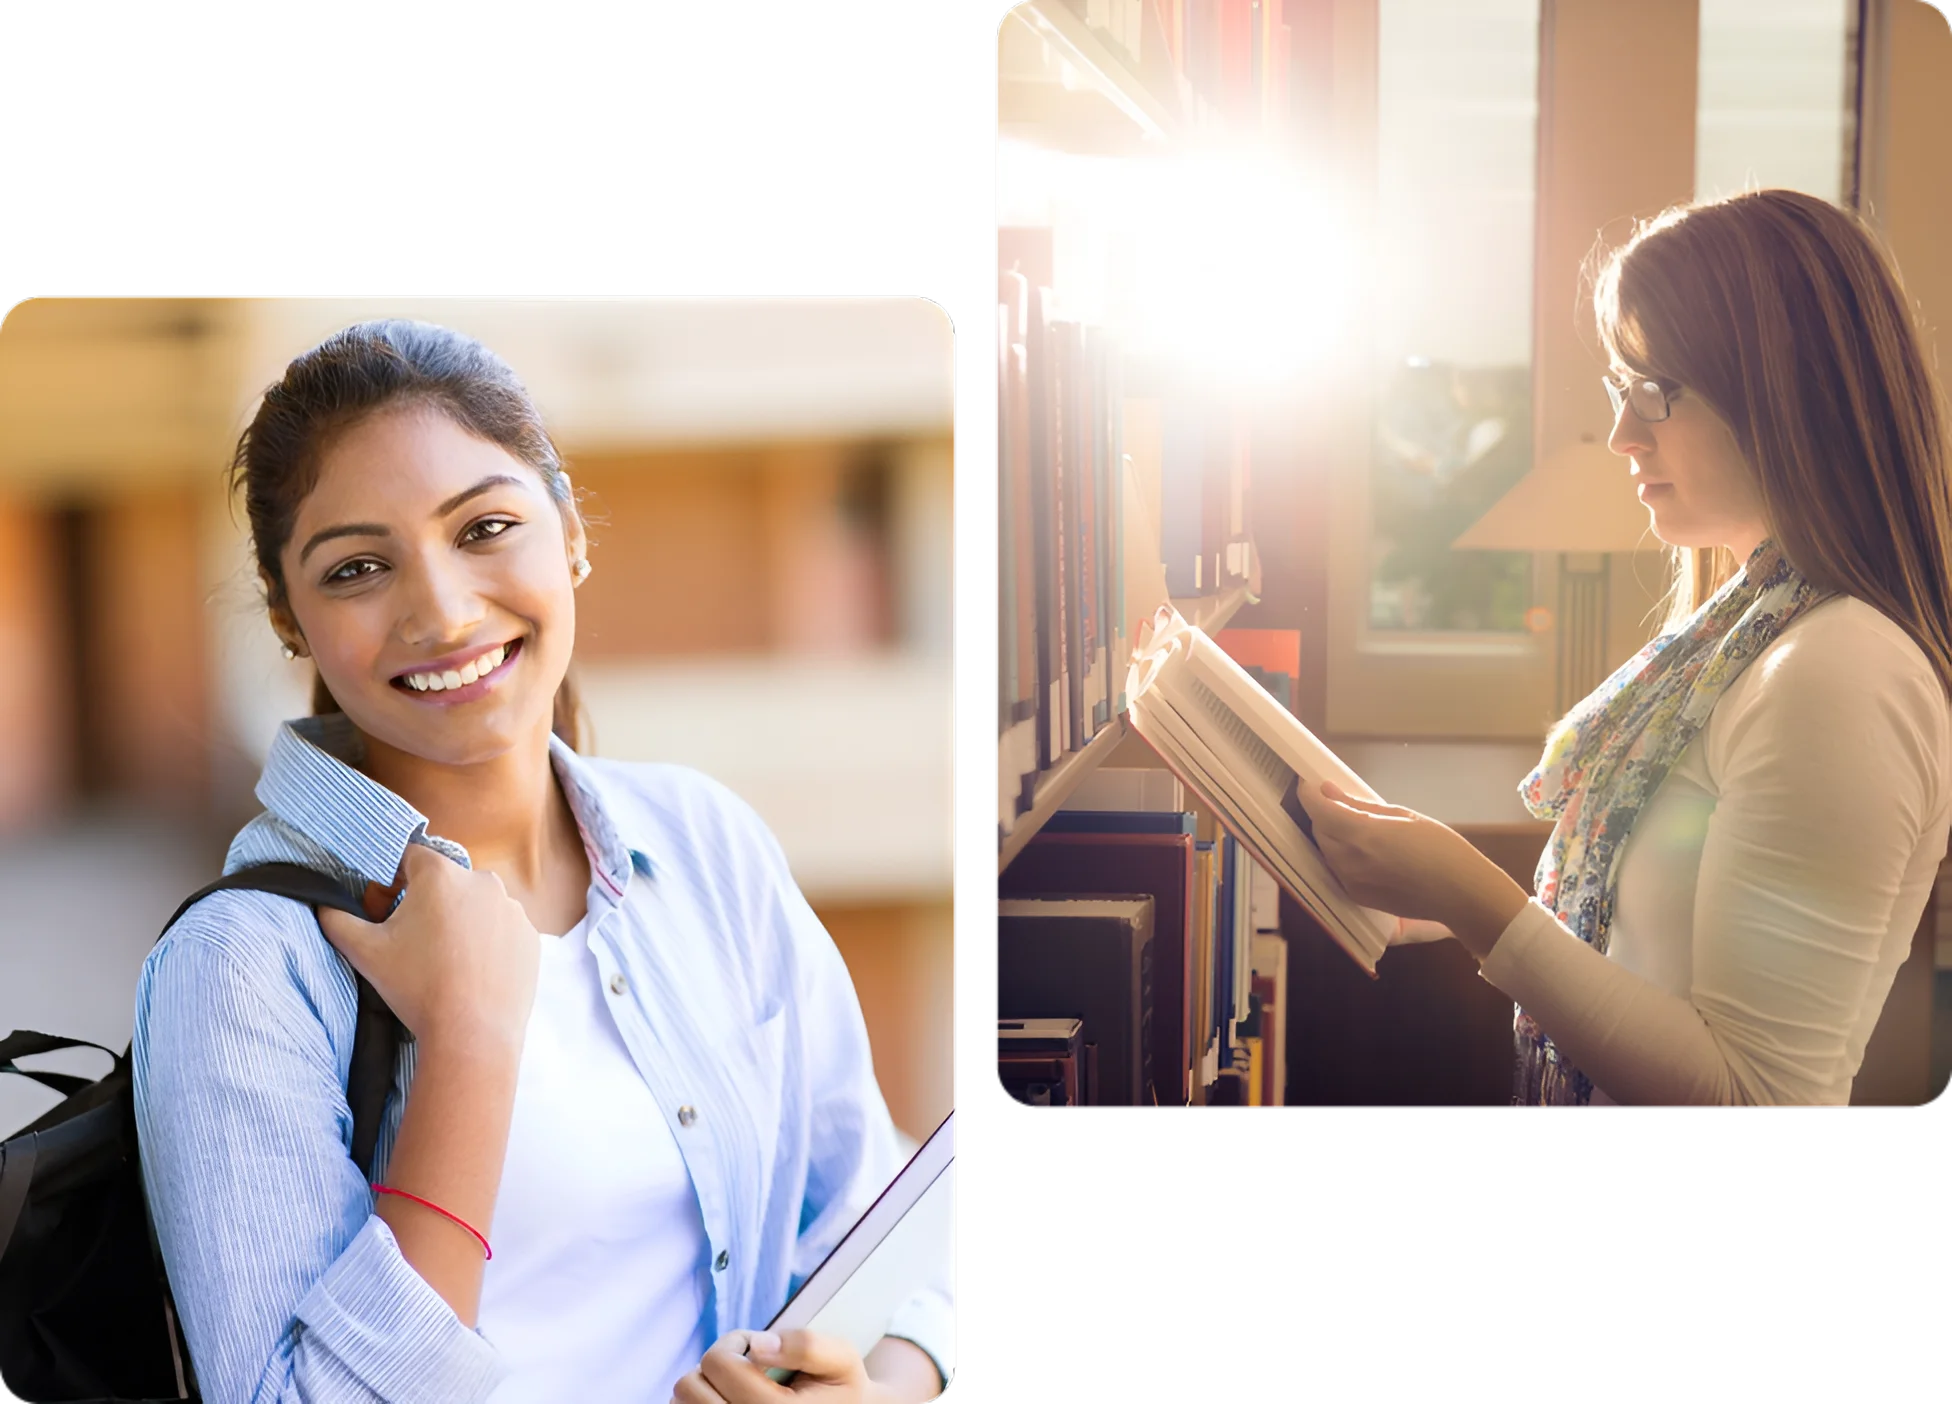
(24, 1043)
(377, 1033)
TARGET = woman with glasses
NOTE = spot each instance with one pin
(1749, 814)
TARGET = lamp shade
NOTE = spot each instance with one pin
(1579, 499)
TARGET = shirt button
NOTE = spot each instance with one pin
(723, 1261)
(687, 1115)
(618, 984)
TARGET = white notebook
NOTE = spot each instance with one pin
(898, 1246)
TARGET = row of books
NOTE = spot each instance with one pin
(1124, 918)
(1235, 55)
(1251, 1066)
(1204, 472)
(1062, 639)
(1230, 58)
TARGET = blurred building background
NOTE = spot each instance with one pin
(769, 491)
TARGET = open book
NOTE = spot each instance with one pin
(1242, 752)
(899, 1245)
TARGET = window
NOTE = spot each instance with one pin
(1457, 120)
(1774, 99)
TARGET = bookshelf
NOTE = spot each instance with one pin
(1167, 73)
(1115, 105)
(1128, 473)
(1056, 784)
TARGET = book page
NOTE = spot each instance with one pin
(1270, 833)
(1244, 754)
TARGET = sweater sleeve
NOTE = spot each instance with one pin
(1830, 771)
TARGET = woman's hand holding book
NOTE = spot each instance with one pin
(1397, 860)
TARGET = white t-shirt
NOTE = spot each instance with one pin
(1771, 886)
(601, 1273)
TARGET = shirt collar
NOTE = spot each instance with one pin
(310, 784)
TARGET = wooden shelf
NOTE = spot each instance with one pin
(1085, 51)
(1055, 785)
(1210, 613)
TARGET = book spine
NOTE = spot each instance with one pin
(1089, 645)
(1070, 566)
(1243, 931)
(1043, 470)
(1148, 1079)
(1101, 522)
(1271, 983)
(1029, 625)
(1221, 440)
(1223, 944)
(1238, 486)
(1180, 459)
(1203, 875)
(1009, 778)
(1115, 493)
(1064, 560)
(1018, 527)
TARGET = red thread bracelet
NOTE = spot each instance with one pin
(428, 1203)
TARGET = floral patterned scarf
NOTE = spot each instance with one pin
(1608, 755)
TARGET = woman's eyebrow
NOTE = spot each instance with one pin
(320, 537)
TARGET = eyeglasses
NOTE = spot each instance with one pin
(1645, 398)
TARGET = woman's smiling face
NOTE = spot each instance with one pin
(428, 572)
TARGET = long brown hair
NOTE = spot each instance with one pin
(352, 375)
(1786, 316)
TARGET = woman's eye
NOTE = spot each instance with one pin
(469, 534)
(340, 577)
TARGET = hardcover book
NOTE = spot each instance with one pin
(901, 1244)
(1243, 753)
(1159, 865)
(1041, 1061)
(1085, 958)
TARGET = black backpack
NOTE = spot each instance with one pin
(85, 1308)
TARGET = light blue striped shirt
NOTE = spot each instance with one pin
(739, 1006)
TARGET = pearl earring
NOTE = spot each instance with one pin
(289, 652)
(580, 569)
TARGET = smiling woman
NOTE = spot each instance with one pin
(635, 1061)
(420, 409)
(458, 597)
